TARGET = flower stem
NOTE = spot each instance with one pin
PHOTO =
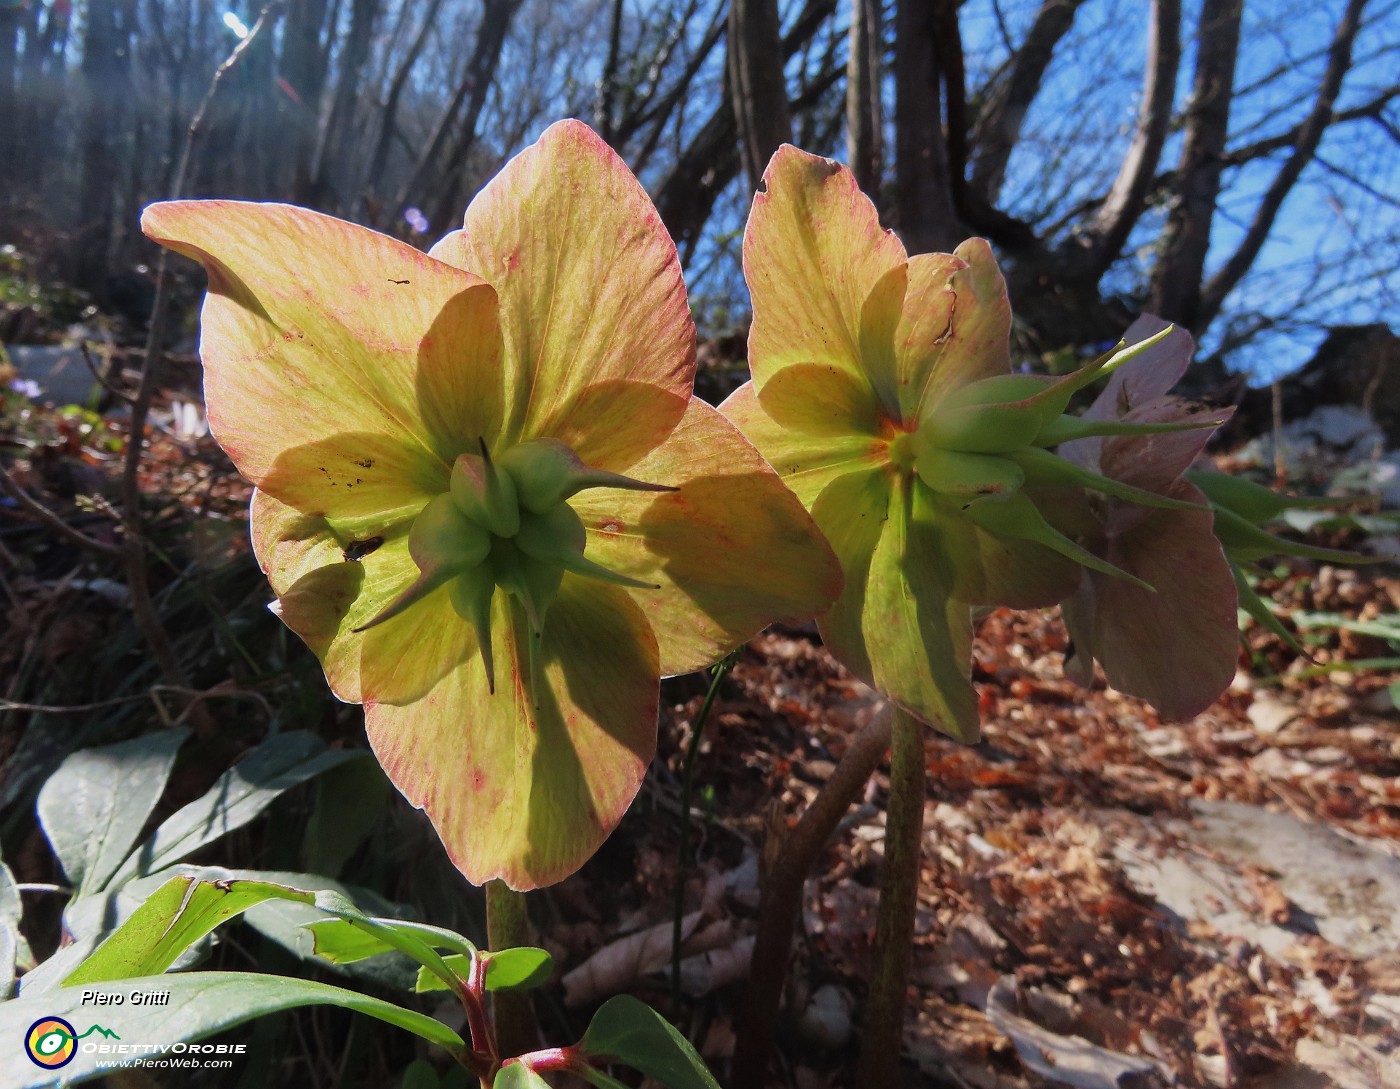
(508, 926)
(894, 932)
(717, 674)
(782, 900)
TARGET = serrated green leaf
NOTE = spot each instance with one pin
(177, 915)
(518, 1076)
(532, 968)
(627, 1030)
(95, 805)
(238, 797)
(517, 969)
(200, 1005)
(341, 942)
(427, 981)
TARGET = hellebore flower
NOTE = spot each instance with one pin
(882, 393)
(485, 497)
(1175, 647)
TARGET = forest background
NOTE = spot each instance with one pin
(1229, 166)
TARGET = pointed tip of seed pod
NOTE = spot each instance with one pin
(420, 588)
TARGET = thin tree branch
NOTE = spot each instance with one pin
(1106, 235)
(607, 86)
(998, 124)
(1310, 135)
(49, 518)
(134, 551)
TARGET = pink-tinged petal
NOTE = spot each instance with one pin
(897, 625)
(1175, 648)
(1147, 376)
(807, 463)
(1153, 462)
(314, 327)
(991, 570)
(974, 341)
(813, 253)
(521, 788)
(817, 399)
(733, 549)
(925, 331)
(324, 596)
(589, 282)
(611, 424)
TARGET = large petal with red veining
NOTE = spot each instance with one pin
(732, 549)
(315, 329)
(589, 282)
(525, 785)
(814, 251)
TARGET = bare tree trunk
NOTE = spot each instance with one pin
(454, 179)
(1175, 291)
(864, 115)
(1108, 232)
(496, 17)
(757, 84)
(998, 124)
(337, 131)
(711, 159)
(9, 115)
(923, 185)
(389, 117)
(1338, 62)
(303, 66)
(106, 92)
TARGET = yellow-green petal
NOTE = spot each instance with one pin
(898, 625)
(324, 597)
(525, 785)
(732, 549)
(314, 327)
(814, 252)
(589, 282)
(822, 400)
(806, 462)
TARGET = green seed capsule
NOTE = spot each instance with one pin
(443, 538)
(954, 472)
(546, 472)
(485, 494)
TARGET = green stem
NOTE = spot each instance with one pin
(894, 931)
(717, 674)
(508, 926)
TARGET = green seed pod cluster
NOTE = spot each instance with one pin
(505, 523)
(984, 442)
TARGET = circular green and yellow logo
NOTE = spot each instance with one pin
(51, 1042)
